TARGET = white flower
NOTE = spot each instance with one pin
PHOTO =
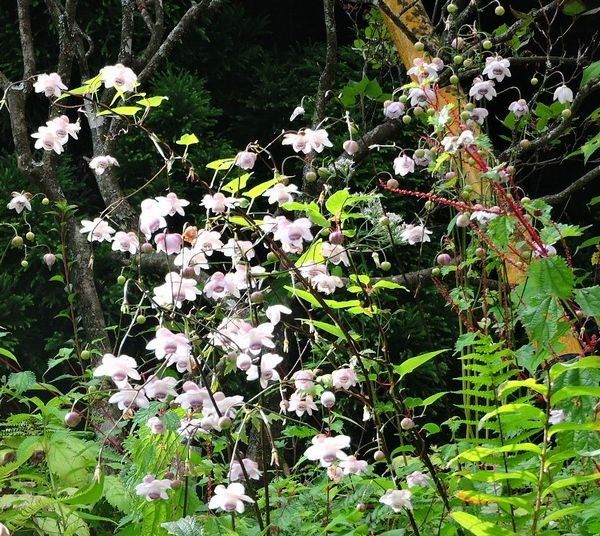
(304, 380)
(353, 466)
(335, 253)
(19, 202)
(482, 88)
(49, 84)
(230, 498)
(120, 77)
(496, 68)
(151, 218)
(403, 165)
(397, 499)
(191, 259)
(175, 290)
(416, 478)
(172, 346)
(236, 472)
(328, 449)
(280, 193)
(126, 242)
(62, 128)
(421, 96)
(221, 285)
(308, 140)
(557, 416)
(193, 396)
(301, 403)
(128, 397)
(544, 250)
(291, 234)
(483, 217)
(97, 230)
(478, 115)
(267, 365)
(319, 278)
(170, 243)
(153, 489)
(118, 368)
(47, 139)
(298, 111)
(519, 107)
(414, 234)
(170, 204)
(218, 203)
(208, 241)
(274, 313)
(160, 388)
(563, 94)
(394, 110)
(245, 160)
(453, 143)
(100, 164)
(156, 425)
(344, 378)
(328, 399)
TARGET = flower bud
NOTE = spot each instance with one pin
(225, 423)
(45, 201)
(351, 147)
(147, 248)
(49, 260)
(310, 176)
(17, 241)
(386, 266)
(328, 399)
(499, 11)
(176, 484)
(72, 419)
(462, 220)
(487, 44)
(361, 507)
(406, 119)
(31, 236)
(379, 456)
(443, 259)
(257, 297)
(419, 46)
(392, 183)
(326, 380)
(336, 237)
(407, 423)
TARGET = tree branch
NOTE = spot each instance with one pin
(157, 30)
(555, 199)
(328, 74)
(26, 37)
(126, 46)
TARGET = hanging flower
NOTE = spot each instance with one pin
(100, 164)
(557, 416)
(274, 313)
(153, 489)
(218, 203)
(19, 202)
(414, 234)
(126, 242)
(175, 290)
(118, 368)
(251, 467)
(170, 204)
(563, 94)
(120, 77)
(151, 218)
(280, 193)
(482, 88)
(496, 68)
(327, 449)
(353, 466)
(397, 499)
(170, 243)
(160, 388)
(298, 111)
(394, 110)
(403, 165)
(50, 85)
(221, 285)
(230, 498)
(245, 160)
(97, 230)
(128, 397)
(416, 478)
(344, 378)
(265, 370)
(519, 108)
(301, 403)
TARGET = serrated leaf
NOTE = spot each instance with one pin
(558, 369)
(21, 381)
(186, 526)
(550, 276)
(573, 427)
(192, 139)
(589, 301)
(568, 482)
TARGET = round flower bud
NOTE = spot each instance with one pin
(406, 119)
(24, 263)
(499, 11)
(72, 419)
(86, 355)
(225, 423)
(361, 507)
(121, 280)
(407, 423)
(31, 236)
(351, 147)
(176, 484)
(450, 175)
(534, 81)
(392, 183)
(458, 59)
(403, 99)
(147, 248)
(379, 456)
(480, 252)
(336, 237)
(487, 44)
(418, 110)
(419, 47)
(443, 259)
(257, 297)
(323, 172)
(429, 204)
(462, 220)
(326, 380)
(310, 176)
(170, 475)
(454, 79)
(328, 399)
(419, 153)
(524, 143)
(452, 8)
(49, 259)
(385, 266)
(468, 62)
(384, 220)
(141, 319)
(566, 113)
(435, 272)
(17, 241)
(45, 201)
(525, 199)
(465, 115)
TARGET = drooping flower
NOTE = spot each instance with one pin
(394, 110)
(482, 89)
(153, 489)
(99, 164)
(519, 107)
(170, 204)
(301, 403)
(496, 68)
(304, 380)
(119, 368)
(483, 217)
(245, 160)
(353, 466)
(221, 285)
(191, 260)
(344, 378)
(544, 250)
(327, 449)
(308, 140)
(126, 242)
(167, 344)
(416, 478)
(320, 279)
(328, 399)
(230, 498)
(193, 396)
(292, 233)
(557, 416)
(274, 313)
(156, 425)
(421, 96)
(265, 370)
(19, 202)
(298, 111)
(128, 397)
(151, 218)
(280, 193)
(335, 253)
(170, 243)
(160, 388)
(397, 499)
(47, 139)
(50, 85)
(63, 128)
(563, 94)
(97, 230)
(120, 77)
(218, 203)
(478, 115)
(414, 234)
(208, 242)
(175, 290)
(251, 467)
(403, 165)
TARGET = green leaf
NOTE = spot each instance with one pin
(186, 526)
(574, 7)
(574, 391)
(21, 381)
(413, 363)
(589, 301)
(525, 411)
(152, 102)
(573, 426)
(571, 481)
(530, 383)
(127, 111)
(563, 512)
(478, 527)
(70, 458)
(479, 453)
(116, 495)
(192, 139)
(237, 184)
(7, 353)
(335, 203)
(261, 188)
(388, 284)
(550, 276)
(88, 496)
(313, 255)
(558, 369)
(303, 294)
(432, 399)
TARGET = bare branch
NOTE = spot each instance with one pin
(126, 46)
(157, 30)
(328, 74)
(26, 38)
(555, 199)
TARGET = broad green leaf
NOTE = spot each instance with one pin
(21, 381)
(192, 139)
(591, 72)
(261, 188)
(152, 102)
(328, 328)
(498, 476)
(478, 497)
(530, 383)
(88, 496)
(590, 362)
(478, 527)
(573, 391)
(237, 184)
(7, 353)
(388, 284)
(550, 276)
(303, 294)
(335, 203)
(313, 255)
(432, 399)
(589, 301)
(571, 481)
(480, 453)
(413, 363)
(526, 411)
(573, 427)
(186, 526)
(563, 512)
(127, 111)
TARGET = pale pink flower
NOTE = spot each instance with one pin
(353, 466)
(239, 250)
(308, 140)
(153, 489)
(49, 260)
(50, 85)
(423, 70)
(128, 397)
(478, 115)
(483, 217)
(170, 243)
(97, 230)
(280, 193)
(229, 499)
(167, 344)
(126, 242)
(47, 139)
(221, 285)
(328, 399)
(291, 234)
(394, 110)
(189, 428)
(298, 111)
(267, 373)
(519, 107)
(482, 88)
(236, 472)
(414, 234)
(403, 165)
(193, 396)
(496, 68)
(326, 283)
(224, 404)
(297, 141)
(191, 259)
(19, 202)
(420, 96)
(156, 425)
(335, 253)
(301, 403)
(327, 449)
(274, 313)
(304, 380)
(208, 242)
(243, 362)
(175, 290)
(120, 77)
(397, 499)
(544, 250)
(170, 204)
(557, 416)
(563, 94)
(99, 164)
(63, 128)
(118, 368)
(416, 478)
(245, 160)
(160, 388)
(218, 203)
(344, 378)
(151, 218)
